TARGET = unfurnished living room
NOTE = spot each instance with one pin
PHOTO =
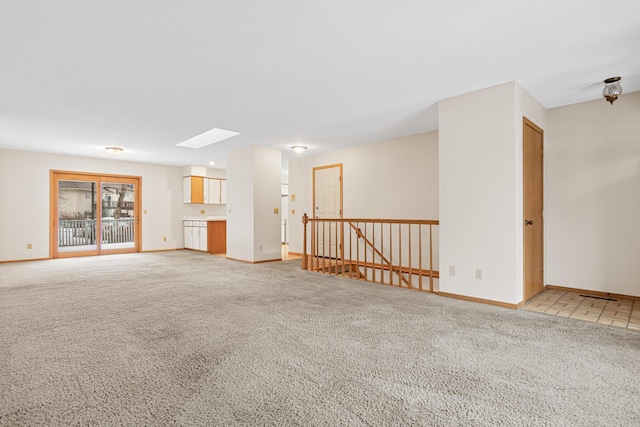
(320, 213)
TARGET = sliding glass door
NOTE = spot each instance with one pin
(94, 214)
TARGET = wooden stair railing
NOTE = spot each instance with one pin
(364, 253)
(382, 257)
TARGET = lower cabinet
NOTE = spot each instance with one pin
(195, 235)
(217, 237)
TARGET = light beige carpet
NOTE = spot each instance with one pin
(182, 338)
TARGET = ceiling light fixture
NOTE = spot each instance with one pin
(212, 163)
(298, 149)
(114, 151)
(611, 89)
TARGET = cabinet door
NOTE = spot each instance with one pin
(188, 235)
(205, 191)
(197, 189)
(202, 237)
(214, 191)
(217, 241)
(186, 189)
(223, 191)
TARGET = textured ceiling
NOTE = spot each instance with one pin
(77, 76)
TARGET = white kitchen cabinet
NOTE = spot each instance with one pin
(188, 234)
(201, 190)
(217, 191)
(202, 236)
(223, 191)
(214, 191)
(193, 189)
(195, 235)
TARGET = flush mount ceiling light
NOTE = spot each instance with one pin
(298, 149)
(212, 163)
(209, 137)
(611, 89)
(114, 151)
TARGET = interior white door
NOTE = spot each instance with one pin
(328, 204)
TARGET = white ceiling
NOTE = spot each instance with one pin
(76, 76)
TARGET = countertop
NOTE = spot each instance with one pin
(204, 218)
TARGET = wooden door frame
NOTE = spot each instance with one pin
(53, 208)
(313, 208)
(526, 122)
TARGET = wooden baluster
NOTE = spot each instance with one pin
(358, 247)
(314, 242)
(342, 244)
(373, 255)
(381, 247)
(391, 251)
(337, 250)
(400, 253)
(366, 269)
(350, 229)
(410, 272)
(420, 254)
(305, 220)
(430, 259)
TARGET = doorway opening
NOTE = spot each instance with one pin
(327, 204)
(93, 214)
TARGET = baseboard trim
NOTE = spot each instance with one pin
(481, 300)
(589, 292)
(255, 262)
(161, 250)
(295, 253)
(10, 261)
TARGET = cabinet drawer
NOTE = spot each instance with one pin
(188, 223)
(202, 223)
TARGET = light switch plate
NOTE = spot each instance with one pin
(276, 210)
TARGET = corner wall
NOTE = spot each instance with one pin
(254, 184)
(24, 197)
(478, 194)
(481, 194)
(592, 196)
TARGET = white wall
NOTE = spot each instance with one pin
(253, 184)
(478, 194)
(24, 199)
(592, 196)
(390, 179)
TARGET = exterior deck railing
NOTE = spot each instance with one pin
(389, 251)
(80, 232)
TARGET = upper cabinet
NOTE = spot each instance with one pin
(193, 189)
(202, 190)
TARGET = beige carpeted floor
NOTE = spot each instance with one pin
(182, 338)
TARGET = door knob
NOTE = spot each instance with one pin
(528, 222)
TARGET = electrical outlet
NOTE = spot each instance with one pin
(164, 239)
(478, 274)
(452, 270)
(293, 197)
(260, 247)
(29, 246)
(276, 210)
(145, 211)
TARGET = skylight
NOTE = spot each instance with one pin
(209, 137)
